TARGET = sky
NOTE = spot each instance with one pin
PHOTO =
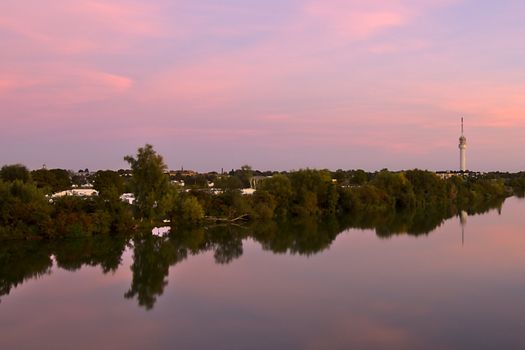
(276, 84)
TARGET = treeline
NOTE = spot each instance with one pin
(27, 211)
(314, 193)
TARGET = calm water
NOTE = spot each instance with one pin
(307, 286)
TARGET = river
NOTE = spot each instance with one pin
(307, 286)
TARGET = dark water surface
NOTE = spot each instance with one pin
(307, 286)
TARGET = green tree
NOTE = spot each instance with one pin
(245, 174)
(397, 186)
(24, 210)
(279, 187)
(341, 177)
(359, 177)
(53, 180)
(10, 173)
(196, 181)
(428, 188)
(109, 184)
(149, 182)
(229, 182)
(263, 205)
(191, 210)
(314, 192)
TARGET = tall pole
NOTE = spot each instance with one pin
(462, 150)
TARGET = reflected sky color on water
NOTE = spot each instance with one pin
(364, 292)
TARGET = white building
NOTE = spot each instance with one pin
(78, 192)
(128, 198)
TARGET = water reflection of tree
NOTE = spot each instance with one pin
(415, 222)
(21, 261)
(105, 252)
(226, 243)
(24, 260)
(153, 256)
(304, 237)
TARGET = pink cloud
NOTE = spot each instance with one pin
(354, 23)
(399, 46)
(67, 27)
(490, 103)
(62, 84)
(6, 85)
(125, 17)
(278, 118)
(227, 79)
(361, 20)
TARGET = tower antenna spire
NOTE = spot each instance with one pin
(461, 125)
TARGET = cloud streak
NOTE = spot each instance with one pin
(79, 27)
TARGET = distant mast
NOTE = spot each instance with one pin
(462, 150)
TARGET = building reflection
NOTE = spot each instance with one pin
(463, 221)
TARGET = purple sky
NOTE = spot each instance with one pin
(277, 84)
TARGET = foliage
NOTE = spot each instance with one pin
(24, 210)
(398, 188)
(280, 188)
(52, 181)
(79, 217)
(263, 205)
(185, 210)
(244, 174)
(191, 210)
(109, 184)
(227, 182)
(150, 183)
(314, 193)
(10, 173)
(359, 177)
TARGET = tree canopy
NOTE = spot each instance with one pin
(149, 182)
(14, 172)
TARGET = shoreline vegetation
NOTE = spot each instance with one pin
(406, 201)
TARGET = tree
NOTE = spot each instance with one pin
(263, 204)
(228, 182)
(314, 192)
(397, 186)
(428, 187)
(280, 188)
(192, 211)
(53, 180)
(108, 183)
(149, 182)
(10, 173)
(359, 177)
(245, 174)
(24, 210)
